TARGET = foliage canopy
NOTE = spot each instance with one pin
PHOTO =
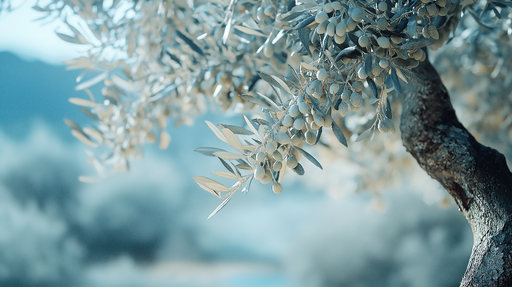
(299, 68)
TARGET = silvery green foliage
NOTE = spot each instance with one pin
(301, 67)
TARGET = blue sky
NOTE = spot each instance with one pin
(148, 227)
(34, 40)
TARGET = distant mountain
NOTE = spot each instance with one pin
(36, 91)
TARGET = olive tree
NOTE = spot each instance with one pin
(302, 71)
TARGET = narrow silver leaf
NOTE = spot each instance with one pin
(299, 169)
(305, 23)
(387, 110)
(339, 134)
(237, 130)
(221, 205)
(396, 81)
(368, 64)
(249, 31)
(364, 135)
(294, 73)
(309, 157)
(208, 151)
(189, 42)
(304, 38)
(413, 78)
(372, 86)
(414, 44)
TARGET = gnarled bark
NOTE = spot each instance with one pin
(476, 176)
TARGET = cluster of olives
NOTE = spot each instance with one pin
(342, 20)
(303, 122)
(434, 8)
(298, 125)
(351, 95)
(375, 33)
(323, 81)
(276, 153)
(266, 17)
(367, 28)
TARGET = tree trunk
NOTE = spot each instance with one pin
(476, 176)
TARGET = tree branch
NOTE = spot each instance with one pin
(476, 176)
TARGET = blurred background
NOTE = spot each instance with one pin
(148, 227)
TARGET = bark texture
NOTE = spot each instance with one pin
(476, 176)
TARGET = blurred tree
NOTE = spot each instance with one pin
(301, 67)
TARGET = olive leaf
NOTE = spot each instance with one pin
(228, 155)
(304, 38)
(299, 169)
(309, 157)
(294, 16)
(190, 43)
(226, 165)
(294, 73)
(72, 124)
(208, 151)
(372, 86)
(339, 134)
(225, 174)
(368, 64)
(216, 131)
(91, 82)
(251, 126)
(396, 81)
(232, 140)
(414, 44)
(254, 100)
(228, 198)
(81, 136)
(318, 135)
(211, 184)
(304, 23)
(387, 110)
(350, 53)
(413, 78)
(364, 135)
(273, 105)
(237, 130)
(249, 31)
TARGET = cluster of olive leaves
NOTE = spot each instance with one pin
(377, 54)
(303, 66)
